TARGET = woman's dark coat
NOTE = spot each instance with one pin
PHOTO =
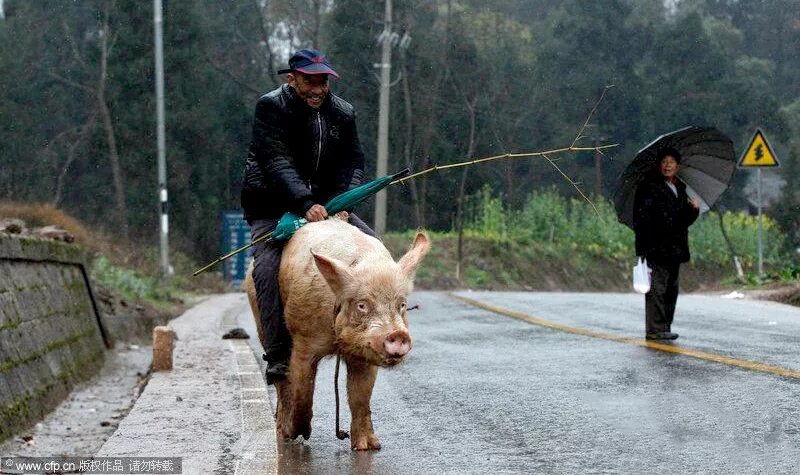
(661, 221)
(299, 156)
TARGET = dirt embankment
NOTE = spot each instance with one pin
(783, 293)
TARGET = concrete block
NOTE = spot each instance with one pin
(163, 344)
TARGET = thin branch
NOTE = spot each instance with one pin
(571, 182)
(231, 76)
(112, 41)
(505, 155)
(81, 131)
(266, 35)
(75, 52)
(544, 154)
(72, 83)
(589, 117)
(394, 83)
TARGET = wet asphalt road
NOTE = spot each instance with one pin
(485, 393)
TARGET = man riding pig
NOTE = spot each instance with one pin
(349, 296)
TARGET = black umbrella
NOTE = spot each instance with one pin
(707, 165)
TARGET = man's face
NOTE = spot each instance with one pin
(312, 88)
(669, 166)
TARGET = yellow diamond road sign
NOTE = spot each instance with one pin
(758, 153)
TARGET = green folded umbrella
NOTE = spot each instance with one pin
(352, 198)
(287, 225)
(290, 222)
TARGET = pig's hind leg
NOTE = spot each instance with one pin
(360, 381)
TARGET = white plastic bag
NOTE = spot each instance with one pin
(641, 277)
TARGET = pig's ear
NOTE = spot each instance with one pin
(412, 258)
(335, 272)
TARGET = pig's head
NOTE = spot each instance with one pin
(371, 299)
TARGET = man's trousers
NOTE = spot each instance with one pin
(660, 300)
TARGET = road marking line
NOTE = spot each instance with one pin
(669, 348)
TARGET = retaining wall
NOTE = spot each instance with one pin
(50, 332)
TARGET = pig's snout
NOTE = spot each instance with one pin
(397, 344)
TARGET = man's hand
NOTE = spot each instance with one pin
(694, 203)
(343, 215)
(316, 213)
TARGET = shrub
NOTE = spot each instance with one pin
(130, 284)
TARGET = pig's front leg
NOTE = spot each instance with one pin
(302, 373)
(360, 381)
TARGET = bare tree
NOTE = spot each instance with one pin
(430, 121)
(106, 44)
(98, 91)
(471, 106)
(408, 145)
(266, 54)
(71, 139)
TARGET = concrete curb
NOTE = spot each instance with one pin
(212, 409)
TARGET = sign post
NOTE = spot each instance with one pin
(758, 155)
(235, 233)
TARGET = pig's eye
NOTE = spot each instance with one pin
(402, 307)
(362, 306)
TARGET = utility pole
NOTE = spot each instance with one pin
(383, 117)
(166, 269)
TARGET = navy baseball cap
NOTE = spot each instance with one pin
(309, 61)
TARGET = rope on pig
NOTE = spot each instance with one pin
(340, 434)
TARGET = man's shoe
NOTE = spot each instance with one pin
(670, 336)
(276, 372)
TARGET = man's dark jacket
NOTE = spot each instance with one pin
(661, 221)
(299, 156)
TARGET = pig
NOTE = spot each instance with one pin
(342, 292)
